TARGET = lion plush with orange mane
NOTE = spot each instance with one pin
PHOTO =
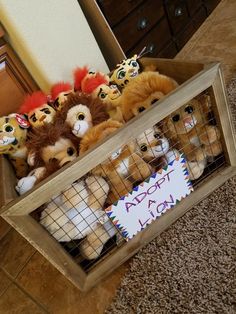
(143, 91)
(97, 85)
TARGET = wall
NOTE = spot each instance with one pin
(51, 37)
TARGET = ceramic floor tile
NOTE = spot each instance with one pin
(4, 227)
(4, 282)
(15, 251)
(15, 301)
(46, 285)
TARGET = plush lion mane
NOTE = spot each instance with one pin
(142, 86)
(98, 133)
(47, 135)
(96, 107)
(58, 88)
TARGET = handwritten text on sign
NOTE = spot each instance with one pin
(151, 199)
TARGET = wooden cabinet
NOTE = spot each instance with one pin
(164, 26)
(15, 81)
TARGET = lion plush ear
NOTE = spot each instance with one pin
(205, 102)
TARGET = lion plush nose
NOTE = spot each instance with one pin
(42, 118)
(188, 121)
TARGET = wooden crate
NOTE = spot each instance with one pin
(194, 79)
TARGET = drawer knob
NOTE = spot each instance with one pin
(178, 11)
(151, 48)
(142, 23)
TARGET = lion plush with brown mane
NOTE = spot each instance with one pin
(53, 142)
(52, 146)
(81, 112)
(143, 91)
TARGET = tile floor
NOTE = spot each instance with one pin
(29, 283)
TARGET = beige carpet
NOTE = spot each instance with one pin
(190, 268)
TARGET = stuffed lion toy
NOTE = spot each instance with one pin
(123, 168)
(143, 91)
(190, 129)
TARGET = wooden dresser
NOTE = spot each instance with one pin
(164, 26)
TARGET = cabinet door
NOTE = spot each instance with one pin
(15, 81)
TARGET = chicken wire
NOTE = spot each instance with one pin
(76, 217)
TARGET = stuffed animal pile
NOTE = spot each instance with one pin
(50, 131)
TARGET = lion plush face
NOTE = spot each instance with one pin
(106, 93)
(42, 115)
(140, 106)
(79, 119)
(186, 118)
(81, 112)
(144, 91)
(152, 144)
(62, 152)
(12, 133)
(53, 143)
(125, 71)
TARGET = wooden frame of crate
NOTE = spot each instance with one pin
(194, 79)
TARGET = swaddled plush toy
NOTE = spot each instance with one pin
(143, 91)
(155, 148)
(77, 213)
(13, 132)
(123, 168)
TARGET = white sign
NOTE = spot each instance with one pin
(152, 198)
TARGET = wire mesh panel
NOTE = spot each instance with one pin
(76, 217)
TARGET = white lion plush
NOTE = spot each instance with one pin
(78, 213)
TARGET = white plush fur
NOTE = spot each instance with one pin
(27, 183)
(78, 213)
(79, 127)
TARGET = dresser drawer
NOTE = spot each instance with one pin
(210, 5)
(184, 35)
(199, 17)
(169, 51)
(155, 40)
(193, 5)
(177, 14)
(138, 23)
(115, 11)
